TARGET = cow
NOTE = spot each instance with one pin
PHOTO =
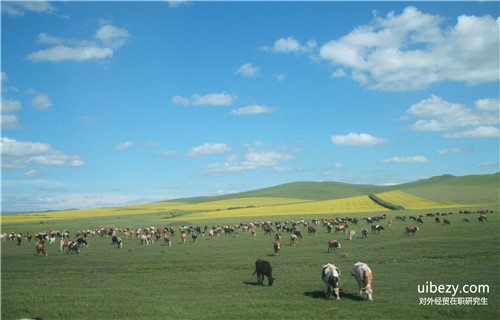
(144, 239)
(465, 220)
(293, 240)
(333, 245)
(277, 248)
(167, 241)
(311, 229)
(447, 221)
(411, 230)
(119, 242)
(64, 244)
(263, 268)
(195, 237)
(83, 242)
(331, 277)
(378, 228)
(277, 237)
(364, 233)
(389, 224)
(183, 238)
(437, 220)
(352, 233)
(482, 218)
(363, 275)
(419, 220)
(40, 248)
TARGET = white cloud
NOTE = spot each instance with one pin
(10, 105)
(22, 154)
(290, 45)
(281, 77)
(248, 70)
(357, 140)
(253, 159)
(440, 115)
(112, 37)
(208, 148)
(106, 40)
(456, 150)
(41, 102)
(61, 53)
(125, 145)
(167, 153)
(411, 51)
(479, 132)
(19, 9)
(253, 109)
(214, 99)
(340, 73)
(10, 121)
(32, 174)
(414, 159)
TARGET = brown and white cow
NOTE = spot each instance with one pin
(352, 233)
(40, 248)
(293, 240)
(363, 275)
(411, 230)
(277, 248)
(183, 238)
(331, 277)
(333, 245)
(167, 241)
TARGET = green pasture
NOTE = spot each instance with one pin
(212, 279)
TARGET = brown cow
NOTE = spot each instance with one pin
(277, 248)
(446, 221)
(411, 230)
(40, 248)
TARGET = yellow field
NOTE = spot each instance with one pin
(411, 202)
(346, 205)
(147, 208)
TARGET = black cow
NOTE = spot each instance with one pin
(81, 241)
(263, 268)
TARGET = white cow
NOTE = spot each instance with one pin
(364, 277)
(331, 277)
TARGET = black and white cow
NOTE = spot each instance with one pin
(331, 277)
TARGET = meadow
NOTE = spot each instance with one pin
(212, 279)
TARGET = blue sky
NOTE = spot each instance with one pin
(112, 103)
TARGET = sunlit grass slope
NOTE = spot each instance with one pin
(411, 202)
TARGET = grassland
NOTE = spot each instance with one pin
(212, 279)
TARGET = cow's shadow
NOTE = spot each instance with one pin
(248, 283)
(343, 295)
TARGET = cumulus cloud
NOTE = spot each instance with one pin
(19, 9)
(253, 160)
(414, 159)
(253, 109)
(456, 150)
(479, 132)
(41, 102)
(22, 154)
(125, 145)
(290, 45)
(214, 99)
(106, 40)
(10, 105)
(248, 70)
(208, 148)
(412, 50)
(437, 114)
(357, 140)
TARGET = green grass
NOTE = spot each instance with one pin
(212, 279)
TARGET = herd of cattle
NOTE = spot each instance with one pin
(330, 274)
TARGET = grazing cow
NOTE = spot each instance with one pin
(437, 220)
(277, 248)
(389, 224)
(411, 230)
(293, 240)
(167, 241)
(144, 239)
(377, 228)
(311, 229)
(83, 242)
(364, 277)
(482, 218)
(331, 277)
(263, 268)
(333, 245)
(119, 242)
(64, 244)
(352, 233)
(183, 238)
(364, 233)
(465, 220)
(277, 237)
(254, 233)
(419, 220)
(40, 248)
(446, 221)
(195, 237)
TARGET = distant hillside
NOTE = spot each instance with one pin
(471, 189)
